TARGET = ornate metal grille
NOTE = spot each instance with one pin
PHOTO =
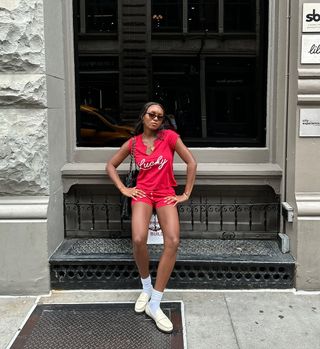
(198, 275)
(99, 215)
(201, 263)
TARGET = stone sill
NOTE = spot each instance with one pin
(207, 174)
(24, 207)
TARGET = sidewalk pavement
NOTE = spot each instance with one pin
(267, 319)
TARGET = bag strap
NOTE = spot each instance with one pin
(132, 160)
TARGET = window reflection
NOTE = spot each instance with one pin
(99, 85)
(230, 85)
(166, 15)
(176, 86)
(98, 128)
(101, 16)
(203, 15)
(239, 15)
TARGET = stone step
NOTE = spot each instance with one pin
(89, 263)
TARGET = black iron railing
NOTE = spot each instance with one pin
(200, 218)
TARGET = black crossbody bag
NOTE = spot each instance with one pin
(130, 181)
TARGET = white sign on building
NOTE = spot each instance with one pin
(311, 17)
(309, 122)
(310, 49)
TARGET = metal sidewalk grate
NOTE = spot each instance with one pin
(98, 326)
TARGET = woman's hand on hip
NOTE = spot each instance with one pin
(133, 193)
(175, 199)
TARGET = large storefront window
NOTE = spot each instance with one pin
(204, 60)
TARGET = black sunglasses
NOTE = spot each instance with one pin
(153, 116)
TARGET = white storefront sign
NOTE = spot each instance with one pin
(310, 49)
(309, 122)
(311, 17)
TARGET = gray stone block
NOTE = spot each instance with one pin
(22, 36)
(23, 152)
(23, 90)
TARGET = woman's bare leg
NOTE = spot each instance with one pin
(141, 215)
(169, 223)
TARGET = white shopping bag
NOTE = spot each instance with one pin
(155, 233)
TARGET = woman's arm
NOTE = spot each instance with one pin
(111, 169)
(114, 162)
(186, 155)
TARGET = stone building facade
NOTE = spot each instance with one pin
(33, 145)
(39, 159)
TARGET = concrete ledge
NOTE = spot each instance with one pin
(308, 205)
(207, 174)
(24, 207)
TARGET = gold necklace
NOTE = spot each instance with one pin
(149, 144)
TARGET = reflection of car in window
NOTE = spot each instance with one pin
(99, 129)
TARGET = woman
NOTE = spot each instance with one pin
(154, 148)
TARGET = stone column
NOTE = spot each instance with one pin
(28, 177)
(303, 161)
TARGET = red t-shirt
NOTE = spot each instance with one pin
(156, 169)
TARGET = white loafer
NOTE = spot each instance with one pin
(162, 321)
(141, 302)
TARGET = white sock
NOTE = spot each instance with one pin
(147, 285)
(155, 300)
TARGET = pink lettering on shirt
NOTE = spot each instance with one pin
(145, 165)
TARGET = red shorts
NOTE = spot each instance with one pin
(155, 198)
